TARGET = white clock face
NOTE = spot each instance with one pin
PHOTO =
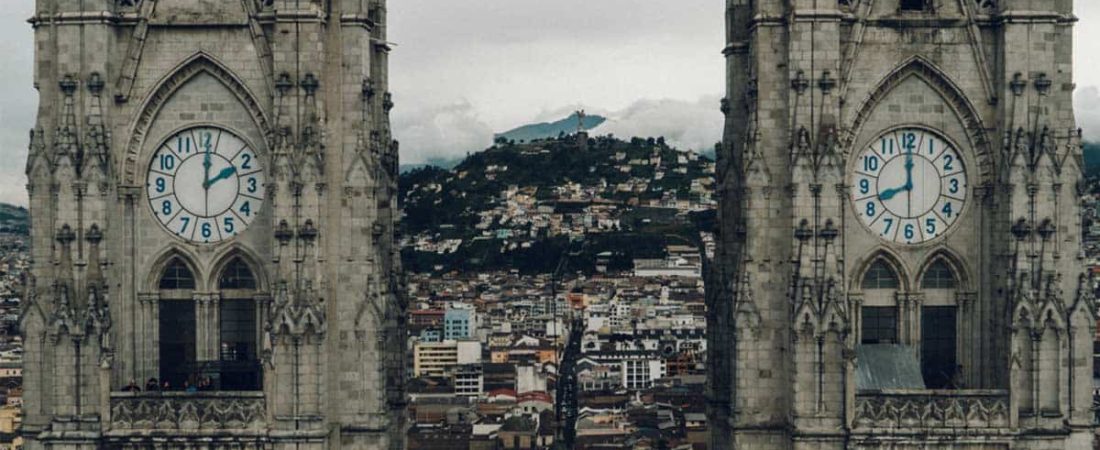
(205, 184)
(909, 185)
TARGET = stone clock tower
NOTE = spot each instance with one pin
(900, 259)
(212, 190)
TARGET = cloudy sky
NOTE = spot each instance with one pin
(462, 70)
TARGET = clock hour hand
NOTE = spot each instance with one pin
(225, 173)
(891, 193)
(909, 170)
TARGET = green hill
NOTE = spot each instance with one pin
(546, 130)
(14, 219)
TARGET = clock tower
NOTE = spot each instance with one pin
(900, 260)
(212, 191)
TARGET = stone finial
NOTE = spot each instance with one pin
(310, 84)
(1017, 84)
(1042, 84)
(283, 83)
(800, 83)
(827, 82)
(95, 83)
(1021, 229)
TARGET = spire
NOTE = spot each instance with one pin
(97, 136)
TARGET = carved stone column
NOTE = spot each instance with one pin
(207, 327)
(148, 339)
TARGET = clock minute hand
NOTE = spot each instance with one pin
(206, 163)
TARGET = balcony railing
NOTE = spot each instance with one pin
(187, 410)
(932, 409)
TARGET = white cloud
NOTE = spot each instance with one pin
(688, 125)
(447, 130)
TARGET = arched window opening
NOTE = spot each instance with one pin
(177, 276)
(237, 275)
(939, 276)
(176, 324)
(238, 361)
(880, 276)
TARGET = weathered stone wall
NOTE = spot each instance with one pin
(304, 83)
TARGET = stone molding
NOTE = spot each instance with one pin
(932, 409)
(187, 411)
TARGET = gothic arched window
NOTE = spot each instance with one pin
(938, 276)
(237, 275)
(177, 276)
(238, 314)
(176, 322)
(880, 276)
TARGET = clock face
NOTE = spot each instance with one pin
(909, 185)
(205, 184)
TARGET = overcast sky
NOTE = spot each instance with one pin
(462, 70)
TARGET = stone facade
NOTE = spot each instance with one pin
(304, 83)
(811, 83)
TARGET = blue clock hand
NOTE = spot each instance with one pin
(225, 173)
(206, 169)
(891, 193)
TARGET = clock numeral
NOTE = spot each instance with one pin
(954, 186)
(251, 185)
(186, 220)
(161, 185)
(887, 149)
(948, 161)
(947, 210)
(870, 163)
(246, 209)
(228, 224)
(930, 225)
(864, 186)
(931, 146)
(205, 230)
(183, 144)
(870, 209)
(889, 224)
(909, 141)
(166, 207)
(246, 165)
(205, 139)
(167, 162)
(909, 232)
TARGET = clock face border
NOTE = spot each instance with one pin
(965, 196)
(249, 195)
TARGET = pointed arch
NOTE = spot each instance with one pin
(173, 255)
(885, 257)
(945, 258)
(927, 71)
(199, 63)
(232, 254)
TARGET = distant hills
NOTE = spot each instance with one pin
(14, 219)
(546, 130)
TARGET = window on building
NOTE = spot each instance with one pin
(938, 276)
(238, 360)
(177, 342)
(177, 276)
(237, 275)
(880, 276)
(880, 325)
(914, 5)
(938, 345)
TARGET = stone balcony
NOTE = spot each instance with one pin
(184, 413)
(930, 410)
